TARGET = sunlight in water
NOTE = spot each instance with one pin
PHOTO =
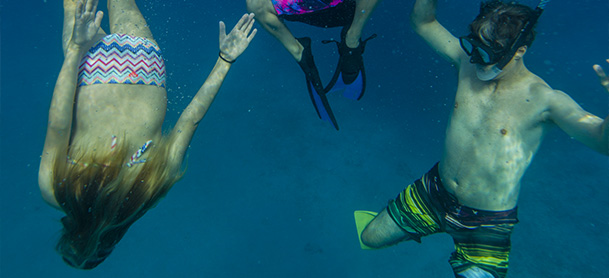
(518, 159)
(590, 119)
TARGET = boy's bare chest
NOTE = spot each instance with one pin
(492, 103)
(495, 110)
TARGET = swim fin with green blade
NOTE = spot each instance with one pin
(362, 219)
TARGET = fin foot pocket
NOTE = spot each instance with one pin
(350, 75)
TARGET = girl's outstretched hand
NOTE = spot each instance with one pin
(87, 22)
(233, 44)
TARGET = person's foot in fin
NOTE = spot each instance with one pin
(314, 85)
(362, 219)
(350, 76)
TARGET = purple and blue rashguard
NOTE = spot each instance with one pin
(296, 7)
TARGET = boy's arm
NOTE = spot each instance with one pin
(231, 46)
(424, 23)
(579, 124)
(87, 23)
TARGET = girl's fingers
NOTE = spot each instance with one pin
(98, 18)
(249, 26)
(88, 6)
(247, 18)
(241, 22)
(222, 31)
(94, 4)
(79, 10)
(251, 37)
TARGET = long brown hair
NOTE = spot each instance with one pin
(102, 197)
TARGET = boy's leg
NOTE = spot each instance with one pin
(483, 252)
(267, 17)
(363, 11)
(126, 18)
(411, 215)
(383, 232)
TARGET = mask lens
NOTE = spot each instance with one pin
(486, 58)
(467, 46)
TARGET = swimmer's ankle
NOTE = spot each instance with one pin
(299, 53)
(352, 39)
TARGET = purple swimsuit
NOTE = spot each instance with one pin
(296, 7)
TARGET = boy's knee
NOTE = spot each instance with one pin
(372, 239)
(474, 272)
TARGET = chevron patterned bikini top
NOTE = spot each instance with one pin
(123, 59)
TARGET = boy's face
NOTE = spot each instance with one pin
(507, 69)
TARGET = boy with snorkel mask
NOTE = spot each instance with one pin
(501, 114)
(492, 44)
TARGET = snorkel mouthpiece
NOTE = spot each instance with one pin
(487, 74)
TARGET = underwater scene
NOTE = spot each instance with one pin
(269, 188)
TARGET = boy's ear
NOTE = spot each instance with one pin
(521, 51)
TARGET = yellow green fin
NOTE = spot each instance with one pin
(362, 219)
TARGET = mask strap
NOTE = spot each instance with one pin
(526, 29)
(542, 4)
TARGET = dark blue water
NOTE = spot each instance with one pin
(270, 189)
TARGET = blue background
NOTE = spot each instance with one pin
(271, 189)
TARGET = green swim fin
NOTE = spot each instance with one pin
(362, 219)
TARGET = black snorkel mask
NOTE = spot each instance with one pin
(495, 55)
(481, 53)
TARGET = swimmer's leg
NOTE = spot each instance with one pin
(268, 18)
(482, 252)
(69, 10)
(126, 18)
(363, 11)
(382, 232)
(474, 272)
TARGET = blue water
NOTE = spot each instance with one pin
(270, 189)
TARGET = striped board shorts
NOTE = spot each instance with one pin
(481, 238)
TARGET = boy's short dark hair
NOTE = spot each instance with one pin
(499, 23)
